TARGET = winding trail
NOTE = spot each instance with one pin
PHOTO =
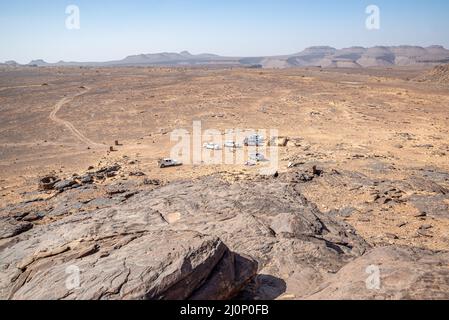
(75, 132)
(21, 87)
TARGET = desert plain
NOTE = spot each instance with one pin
(366, 156)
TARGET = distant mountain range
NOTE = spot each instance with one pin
(326, 57)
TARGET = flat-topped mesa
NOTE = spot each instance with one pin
(324, 56)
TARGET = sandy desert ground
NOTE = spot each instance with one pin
(380, 137)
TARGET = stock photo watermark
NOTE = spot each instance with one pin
(73, 19)
(73, 280)
(373, 281)
(373, 20)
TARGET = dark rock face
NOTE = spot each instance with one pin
(10, 228)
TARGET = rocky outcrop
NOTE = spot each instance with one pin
(403, 273)
(134, 265)
(439, 74)
(203, 239)
(145, 246)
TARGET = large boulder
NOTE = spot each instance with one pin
(391, 273)
(134, 265)
(294, 243)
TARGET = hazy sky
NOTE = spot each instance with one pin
(113, 29)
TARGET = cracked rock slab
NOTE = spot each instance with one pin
(391, 273)
(267, 220)
(150, 265)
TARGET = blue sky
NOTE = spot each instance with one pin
(113, 29)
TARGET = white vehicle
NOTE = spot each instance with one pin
(254, 140)
(256, 137)
(257, 157)
(212, 146)
(166, 163)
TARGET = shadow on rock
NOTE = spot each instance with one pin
(264, 287)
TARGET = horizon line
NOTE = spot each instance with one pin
(225, 56)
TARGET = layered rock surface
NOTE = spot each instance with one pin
(201, 239)
(403, 273)
(134, 265)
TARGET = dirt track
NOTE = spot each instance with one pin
(68, 124)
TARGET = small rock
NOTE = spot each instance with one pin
(65, 184)
(48, 182)
(34, 216)
(113, 168)
(421, 215)
(116, 189)
(295, 164)
(152, 182)
(137, 174)
(87, 179)
(316, 171)
(424, 233)
(391, 236)
(346, 212)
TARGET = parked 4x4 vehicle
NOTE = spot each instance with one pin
(211, 146)
(165, 163)
(254, 140)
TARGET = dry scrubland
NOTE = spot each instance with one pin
(379, 137)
